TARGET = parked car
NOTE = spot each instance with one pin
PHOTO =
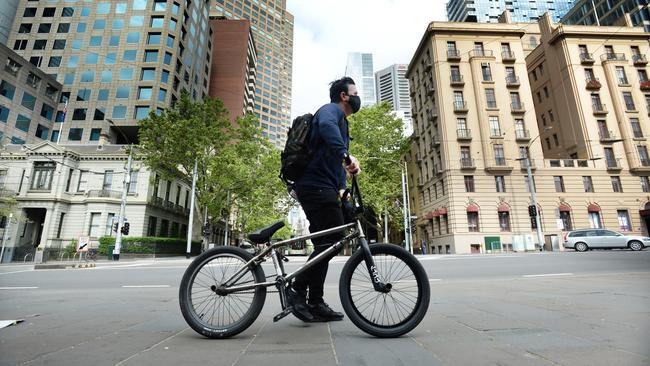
(585, 239)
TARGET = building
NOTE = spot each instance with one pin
(116, 60)
(488, 11)
(477, 115)
(67, 191)
(272, 27)
(393, 88)
(28, 100)
(234, 59)
(607, 12)
(7, 15)
(359, 67)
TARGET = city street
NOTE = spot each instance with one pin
(562, 308)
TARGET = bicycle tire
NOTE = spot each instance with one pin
(196, 296)
(356, 298)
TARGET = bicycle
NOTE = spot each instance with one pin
(223, 290)
(91, 255)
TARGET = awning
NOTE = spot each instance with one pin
(503, 208)
(442, 211)
(644, 213)
(593, 208)
(436, 213)
(429, 215)
(564, 208)
(472, 208)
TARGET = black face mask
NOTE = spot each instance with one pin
(355, 103)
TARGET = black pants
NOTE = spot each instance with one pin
(323, 210)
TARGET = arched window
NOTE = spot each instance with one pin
(533, 42)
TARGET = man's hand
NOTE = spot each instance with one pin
(353, 168)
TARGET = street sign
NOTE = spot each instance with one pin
(83, 244)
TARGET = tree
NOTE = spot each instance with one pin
(378, 143)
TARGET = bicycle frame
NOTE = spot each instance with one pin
(357, 233)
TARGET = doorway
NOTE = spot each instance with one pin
(29, 234)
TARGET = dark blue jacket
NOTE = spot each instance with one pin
(329, 143)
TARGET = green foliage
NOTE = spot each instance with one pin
(7, 204)
(378, 144)
(71, 249)
(149, 245)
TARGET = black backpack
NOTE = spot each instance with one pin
(296, 154)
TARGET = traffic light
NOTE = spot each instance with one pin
(532, 211)
(533, 223)
(115, 225)
(125, 228)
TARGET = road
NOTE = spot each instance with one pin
(507, 309)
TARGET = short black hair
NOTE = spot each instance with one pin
(338, 86)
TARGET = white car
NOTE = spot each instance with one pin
(586, 239)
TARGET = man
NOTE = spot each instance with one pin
(319, 191)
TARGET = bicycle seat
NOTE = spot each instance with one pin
(264, 235)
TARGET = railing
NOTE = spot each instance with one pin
(613, 57)
(639, 59)
(508, 56)
(456, 79)
(645, 85)
(645, 162)
(7, 192)
(630, 107)
(104, 193)
(566, 163)
(512, 81)
(593, 84)
(517, 107)
(460, 106)
(586, 58)
(599, 108)
(613, 163)
(606, 136)
(522, 135)
(500, 161)
(467, 163)
(453, 55)
(464, 134)
(524, 164)
(623, 82)
(480, 53)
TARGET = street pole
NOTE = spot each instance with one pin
(120, 221)
(225, 238)
(404, 207)
(189, 224)
(5, 236)
(408, 206)
(386, 224)
(533, 198)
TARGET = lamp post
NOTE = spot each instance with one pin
(125, 189)
(5, 236)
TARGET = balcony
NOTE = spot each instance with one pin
(641, 166)
(599, 108)
(607, 137)
(512, 81)
(517, 107)
(522, 135)
(593, 84)
(460, 107)
(586, 58)
(508, 56)
(645, 85)
(464, 134)
(453, 55)
(614, 164)
(480, 53)
(104, 193)
(613, 57)
(639, 60)
(623, 82)
(523, 164)
(499, 165)
(467, 163)
(456, 80)
(432, 114)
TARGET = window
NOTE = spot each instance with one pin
(150, 56)
(504, 221)
(25, 28)
(95, 134)
(28, 101)
(22, 123)
(113, 41)
(624, 220)
(643, 76)
(44, 28)
(645, 184)
(133, 37)
(7, 90)
(147, 74)
(54, 61)
(75, 134)
(118, 24)
(79, 114)
(500, 182)
(589, 75)
(95, 41)
(126, 73)
(495, 129)
(643, 155)
(490, 98)
(91, 59)
(472, 222)
(515, 100)
(141, 112)
(154, 38)
(83, 95)
(144, 93)
(87, 76)
(4, 114)
(459, 102)
(636, 128)
(119, 112)
(82, 184)
(499, 155)
(60, 227)
(486, 71)
(59, 44)
(94, 230)
(559, 183)
(162, 95)
(629, 102)
(40, 44)
(168, 59)
(29, 12)
(588, 184)
(42, 132)
(469, 183)
(565, 217)
(594, 220)
(129, 55)
(610, 159)
(42, 176)
(67, 12)
(556, 140)
(455, 74)
(108, 231)
(160, 5)
(102, 95)
(157, 22)
(620, 75)
(164, 77)
(99, 115)
(122, 92)
(170, 41)
(616, 184)
(108, 180)
(20, 44)
(107, 76)
(99, 24)
(133, 182)
(478, 49)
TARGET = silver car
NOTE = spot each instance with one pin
(585, 239)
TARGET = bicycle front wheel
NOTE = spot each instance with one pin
(214, 315)
(390, 314)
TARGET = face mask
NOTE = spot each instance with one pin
(355, 103)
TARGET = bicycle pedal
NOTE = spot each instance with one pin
(284, 313)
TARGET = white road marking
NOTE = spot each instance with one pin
(145, 286)
(18, 288)
(435, 279)
(27, 270)
(549, 275)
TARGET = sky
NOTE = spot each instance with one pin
(325, 31)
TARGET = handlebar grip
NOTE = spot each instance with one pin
(347, 159)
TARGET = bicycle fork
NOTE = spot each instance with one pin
(377, 282)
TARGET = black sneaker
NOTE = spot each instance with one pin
(299, 304)
(322, 312)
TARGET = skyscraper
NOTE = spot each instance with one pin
(116, 60)
(360, 69)
(602, 12)
(7, 15)
(488, 11)
(272, 27)
(393, 87)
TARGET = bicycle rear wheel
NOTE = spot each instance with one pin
(381, 314)
(214, 315)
